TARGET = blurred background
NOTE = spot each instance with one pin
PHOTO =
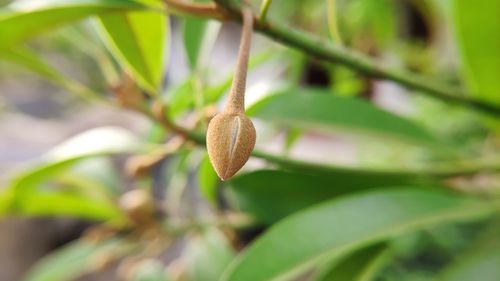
(71, 127)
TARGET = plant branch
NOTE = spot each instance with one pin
(210, 10)
(333, 53)
(440, 172)
(331, 13)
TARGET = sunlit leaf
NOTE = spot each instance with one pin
(208, 180)
(30, 193)
(343, 225)
(477, 28)
(25, 18)
(75, 260)
(138, 40)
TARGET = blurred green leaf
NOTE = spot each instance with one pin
(149, 270)
(343, 225)
(193, 33)
(180, 97)
(362, 265)
(40, 191)
(477, 28)
(208, 180)
(97, 141)
(377, 18)
(75, 259)
(138, 41)
(23, 19)
(31, 61)
(208, 255)
(62, 204)
(480, 262)
(271, 195)
(318, 108)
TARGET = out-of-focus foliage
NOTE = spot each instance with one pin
(352, 178)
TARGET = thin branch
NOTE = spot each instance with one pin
(440, 172)
(331, 13)
(210, 10)
(334, 53)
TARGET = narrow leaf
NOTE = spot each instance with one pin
(360, 266)
(311, 108)
(193, 33)
(26, 18)
(343, 225)
(31, 61)
(138, 41)
(74, 260)
(271, 195)
(477, 28)
(208, 255)
(208, 180)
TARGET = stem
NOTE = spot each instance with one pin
(236, 101)
(331, 12)
(332, 53)
(438, 172)
(210, 10)
(264, 8)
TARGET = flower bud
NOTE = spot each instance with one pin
(230, 141)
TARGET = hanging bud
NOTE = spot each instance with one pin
(230, 141)
(231, 134)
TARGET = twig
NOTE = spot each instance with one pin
(331, 12)
(210, 10)
(436, 173)
(333, 53)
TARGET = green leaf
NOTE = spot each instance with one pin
(74, 260)
(271, 195)
(138, 41)
(31, 61)
(39, 191)
(61, 204)
(343, 225)
(23, 19)
(477, 28)
(180, 97)
(480, 262)
(208, 255)
(362, 265)
(317, 108)
(208, 180)
(149, 270)
(378, 19)
(193, 33)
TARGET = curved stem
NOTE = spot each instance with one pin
(333, 27)
(196, 9)
(333, 53)
(236, 101)
(264, 8)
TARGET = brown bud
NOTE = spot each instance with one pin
(230, 141)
